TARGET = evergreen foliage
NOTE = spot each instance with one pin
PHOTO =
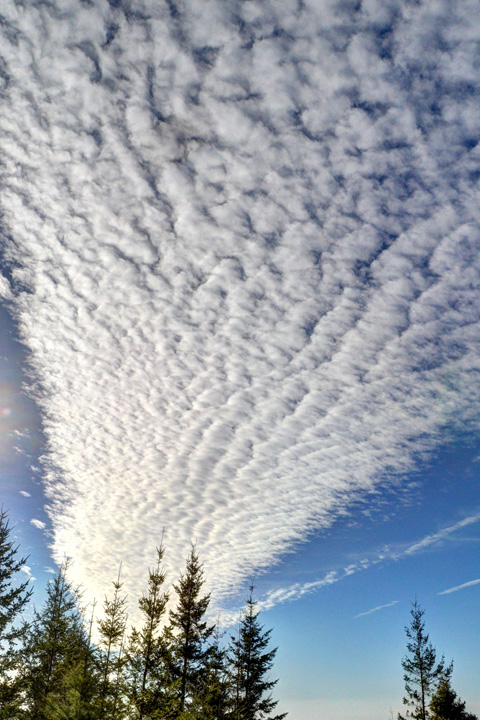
(251, 662)
(422, 673)
(111, 629)
(445, 705)
(14, 597)
(191, 632)
(54, 654)
(148, 686)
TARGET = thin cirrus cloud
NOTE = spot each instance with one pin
(297, 590)
(471, 583)
(241, 245)
(376, 609)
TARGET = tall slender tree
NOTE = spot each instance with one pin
(111, 629)
(146, 685)
(251, 663)
(191, 630)
(422, 673)
(14, 597)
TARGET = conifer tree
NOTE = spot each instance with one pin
(445, 705)
(422, 673)
(55, 653)
(111, 629)
(251, 663)
(213, 698)
(14, 597)
(148, 690)
(190, 629)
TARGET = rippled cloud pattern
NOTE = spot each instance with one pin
(241, 243)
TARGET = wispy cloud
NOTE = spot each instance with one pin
(241, 243)
(297, 590)
(37, 523)
(460, 587)
(24, 493)
(376, 609)
(438, 537)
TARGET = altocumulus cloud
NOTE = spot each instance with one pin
(241, 243)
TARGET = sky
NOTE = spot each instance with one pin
(239, 274)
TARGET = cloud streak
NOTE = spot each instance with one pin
(376, 609)
(241, 244)
(471, 583)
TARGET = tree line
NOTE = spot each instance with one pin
(67, 664)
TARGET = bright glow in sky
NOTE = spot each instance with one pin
(240, 250)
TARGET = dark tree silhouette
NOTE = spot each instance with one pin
(445, 705)
(422, 673)
(190, 629)
(14, 596)
(251, 663)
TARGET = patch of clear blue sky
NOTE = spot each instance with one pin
(347, 659)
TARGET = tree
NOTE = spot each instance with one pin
(147, 688)
(445, 705)
(13, 599)
(55, 653)
(191, 631)
(111, 629)
(251, 662)
(422, 673)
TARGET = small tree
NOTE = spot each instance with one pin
(422, 673)
(445, 705)
(251, 663)
(13, 599)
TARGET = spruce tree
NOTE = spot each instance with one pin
(421, 671)
(445, 705)
(191, 631)
(14, 597)
(54, 653)
(148, 684)
(251, 663)
(111, 629)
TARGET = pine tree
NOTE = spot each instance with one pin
(251, 663)
(111, 629)
(14, 597)
(55, 653)
(148, 686)
(445, 705)
(191, 630)
(422, 673)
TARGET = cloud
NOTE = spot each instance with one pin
(436, 538)
(38, 524)
(241, 245)
(376, 609)
(297, 590)
(459, 587)
(24, 493)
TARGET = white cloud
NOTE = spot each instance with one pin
(24, 493)
(244, 259)
(38, 524)
(471, 583)
(376, 609)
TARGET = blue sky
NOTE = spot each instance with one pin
(240, 273)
